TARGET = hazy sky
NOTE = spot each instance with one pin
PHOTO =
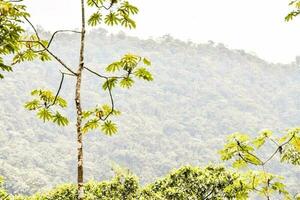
(256, 26)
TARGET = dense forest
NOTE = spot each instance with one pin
(201, 94)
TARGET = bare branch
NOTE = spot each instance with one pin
(52, 54)
(105, 77)
(47, 49)
(59, 31)
(109, 92)
(96, 73)
(33, 27)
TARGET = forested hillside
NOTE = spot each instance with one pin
(201, 93)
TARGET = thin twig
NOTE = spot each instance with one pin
(47, 49)
(278, 149)
(58, 91)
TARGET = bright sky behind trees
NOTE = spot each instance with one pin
(256, 26)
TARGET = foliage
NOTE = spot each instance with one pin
(43, 104)
(119, 16)
(11, 16)
(129, 65)
(3, 194)
(245, 151)
(212, 182)
(295, 4)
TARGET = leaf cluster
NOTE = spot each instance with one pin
(11, 16)
(112, 12)
(97, 119)
(295, 4)
(243, 150)
(43, 103)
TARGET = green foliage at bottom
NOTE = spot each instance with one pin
(212, 182)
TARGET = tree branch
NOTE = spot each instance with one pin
(46, 48)
(242, 148)
(109, 92)
(58, 91)
(279, 149)
(103, 76)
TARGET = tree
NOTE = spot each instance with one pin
(49, 105)
(247, 152)
(295, 4)
(10, 30)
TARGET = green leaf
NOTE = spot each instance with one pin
(126, 82)
(114, 67)
(251, 159)
(143, 73)
(86, 114)
(60, 120)
(109, 84)
(61, 102)
(95, 19)
(44, 56)
(127, 22)
(239, 163)
(146, 61)
(44, 114)
(107, 109)
(128, 8)
(94, 2)
(111, 19)
(32, 105)
(90, 125)
(109, 128)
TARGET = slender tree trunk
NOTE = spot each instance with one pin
(79, 109)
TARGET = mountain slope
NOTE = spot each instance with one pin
(201, 93)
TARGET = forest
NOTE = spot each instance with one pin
(204, 122)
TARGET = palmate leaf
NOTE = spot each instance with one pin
(107, 109)
(94, 2)
(61, 102)
(126, 6)
(112, 19)
(60, 120)
(109, 128)
(126, 82)
(95, 19)
(143, 73)
(114, 67)
(33, 105)
(90, 125)
(44, 114)
(127, 22)
(44, 56)
(110, 83)
(129, 61)
(87, 114)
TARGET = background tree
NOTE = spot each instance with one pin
(48, 104)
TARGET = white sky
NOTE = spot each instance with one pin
(253, 25)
